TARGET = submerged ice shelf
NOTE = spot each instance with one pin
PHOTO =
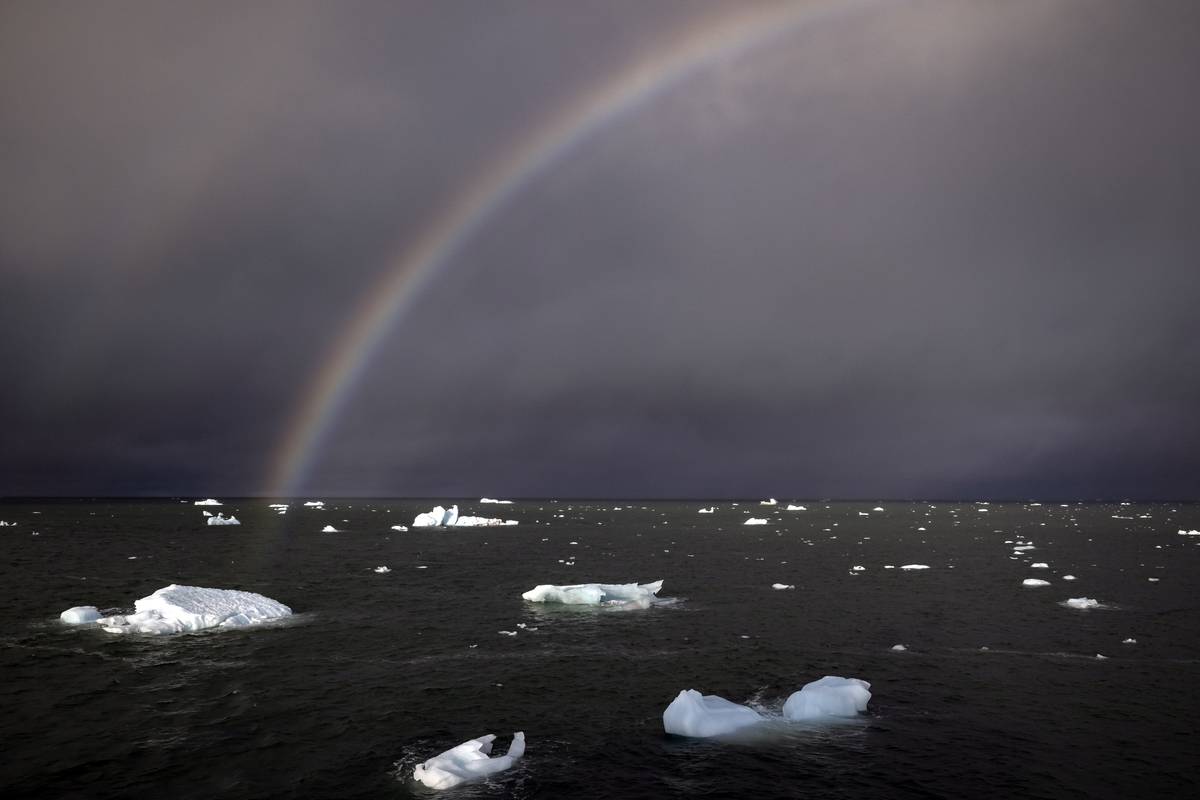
(176, 609)
(471, 760)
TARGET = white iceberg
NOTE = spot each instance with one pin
(1039, 565)
(755, 521)
(770, 502)
(221, 519)
(383, 570)
(209, 502)
(175, 609)
(315, 504)
(796, 508)
(206, 513)
(470, 761)
(1081, 602)
(595, 594)
(493, 500)
(915, 566)
(482, 522)
(1034, 582)
(1068, 577)
(830, 696)
(441, 517)
(700, 716)
(399, 527)
(4, 524)
(899, 648)
(877, 508)
(329, 529)
(278, 506)
(708, 510)
(80, 615)
(783, 586)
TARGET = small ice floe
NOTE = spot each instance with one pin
(770, 502)
(1021, 548)
(920, 529)
(314, 504)
(1039, 565)
(1189, 533)
(329, 529)
(80, 615)
(858, 568)
(382, 570)
(1100, 657)
(915, 566)
(209, 502)
(1034, 582)
(863, 514)
(830, 696)
(701, 716)
(400, 528)
(1081, 603)
(596, 594)
(471, 760)
(1130, 640)
(176, 609)
(497, 502)
(1068, 577)
(507, 633)
(877, 508)
(755, 521)
(796, 508)
(206, 513)
(1152, 580)
(278, 506)
(899, 648)
(4, 524)
(783, 586)
(708, 510)
(221, 519)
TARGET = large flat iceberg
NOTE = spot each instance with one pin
(701, 716)
(175, 609)
(209, 502)
(470, 761)
(830, 696)
(221, 519)
(441, 517)
(755, 521)
(494, 500)
(595, 594)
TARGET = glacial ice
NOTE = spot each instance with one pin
(830, 696)
(221, 519)
(707, 510)
(595, 594)
(1081, 602)
(1039, 565)
(175, 609)
(209, 502)
(755, 521)
(206, 513)
(1034, 582)
(700, 716)
(492, 500)
(314, 504)
(383, 570)
(329, 529)
(470, 761)
(1068, 577)
(80, 615)
(796, 508)
(770, 502)
(783, 586)
(899, 648)
(915, 566)
(441, 517)
(400, 528)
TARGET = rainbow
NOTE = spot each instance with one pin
(699, 46)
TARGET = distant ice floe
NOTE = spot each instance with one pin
(383, 570)
(221, 519)
(701, 716)
(1129, 641)
(877, 508)
(4, 524)
(783, 586)
(796, 508)
(770, 502)
(278, 506)
(755, 521)
(1188, 533)
(209, 502)
(596, 594)
(470, 761)
(1034, 582)
(441, 517)
(314, 504)
(206, 513)
(1039, 565)
(493, 500)
(899, 648)
(830, 696)
(176, 609)
(915, 566)
(707, 510)
(1068, 577)
(329, 529)
(1081, 603)
(400, 528)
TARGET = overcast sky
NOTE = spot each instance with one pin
(912, 249)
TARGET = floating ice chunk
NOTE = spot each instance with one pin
(915, 566)
(482, 522)
(80, 615)
(1023, 547)
(1068, 577)
(1081, 602)
(314, 504)
(329, 529)
(399, 527)
(755, 521)
(175, 608)
(877, 508)
(858, 568)
(1152, 580)
(507, 633)
(783, 586)
(221, 519)
(899, 648)
(1040, 565)
(696, 715)
(278, 506)
(708, 510)
(206, 513)
(1189, 533)
(1129, 641)
(209, 502)
(493, 500)
(1034, 582)
(595, 594)
(383, 570)
(796, 508)
(771, 502)
(1101, 658)
(470, 761)
(830, 696)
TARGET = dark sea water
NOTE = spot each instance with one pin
(377, 672)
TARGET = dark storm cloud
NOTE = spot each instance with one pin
(927, 249)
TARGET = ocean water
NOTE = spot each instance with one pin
(377, 671)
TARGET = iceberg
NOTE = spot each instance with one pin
(383, 570)
(80, 615)
(493, 500)
(770, 502)
(221, 519)
(4, 524)
(315, 504)
(207, 513)
(899, 648)
(796, 508)
(1081, 602)
(830, 696)
(470, 761)
(175, 609)
(209, 502)
(399, 527)
(441, 517)
(329, 529)
(1039, 565)
(1068, 577)
(700, 716)
(755, 521)
(595, 594)
(708, 510)
(783, 586)
(1034, 582)
(915, 566)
